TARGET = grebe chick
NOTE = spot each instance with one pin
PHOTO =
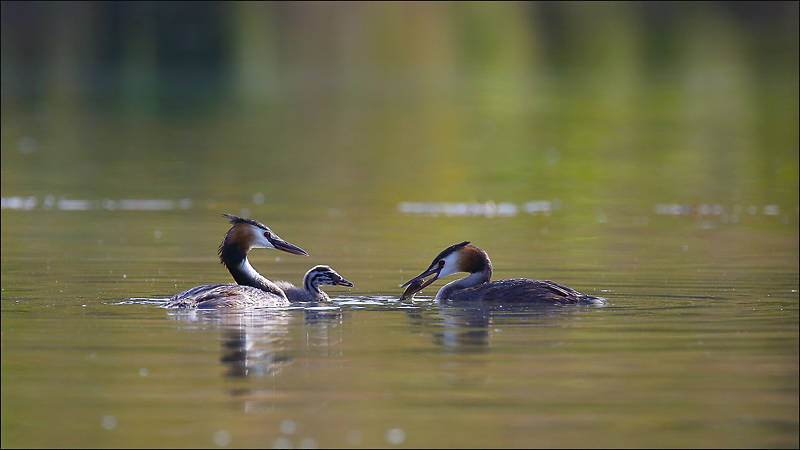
(253, 289)
(476, 286)
(317, 276)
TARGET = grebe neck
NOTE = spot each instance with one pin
(243, 273)
(311, 287)
(471, 280)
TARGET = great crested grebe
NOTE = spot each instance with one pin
(476, 286)
(317, 276)
(253, 289)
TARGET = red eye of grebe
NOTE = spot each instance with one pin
(441, 262)
(266, 234)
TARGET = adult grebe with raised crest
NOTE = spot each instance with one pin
(253, 289)
(310, 292)
(464, 257)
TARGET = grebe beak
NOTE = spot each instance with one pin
(342, 282)
(418, 283)
(280, 244)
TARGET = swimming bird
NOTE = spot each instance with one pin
(252, 288)
(317, 276)
(464, 257)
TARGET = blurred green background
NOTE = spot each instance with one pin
(391, 102)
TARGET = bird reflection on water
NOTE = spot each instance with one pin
(257, 343)
(468, 327)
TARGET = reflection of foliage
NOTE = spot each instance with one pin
(591, 105)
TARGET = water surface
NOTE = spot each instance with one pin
(655, 165)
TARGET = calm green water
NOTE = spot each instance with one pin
(661, 175)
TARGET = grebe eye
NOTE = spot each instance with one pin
(441, 262)
(266, 234)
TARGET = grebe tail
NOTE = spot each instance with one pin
(477, 285)
(252, 288)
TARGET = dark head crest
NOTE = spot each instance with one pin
(236, 219)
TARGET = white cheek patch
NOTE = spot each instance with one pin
(259, 241)
(450, 266)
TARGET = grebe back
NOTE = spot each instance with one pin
(310, 292)
(253, 289)
(464, 257)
